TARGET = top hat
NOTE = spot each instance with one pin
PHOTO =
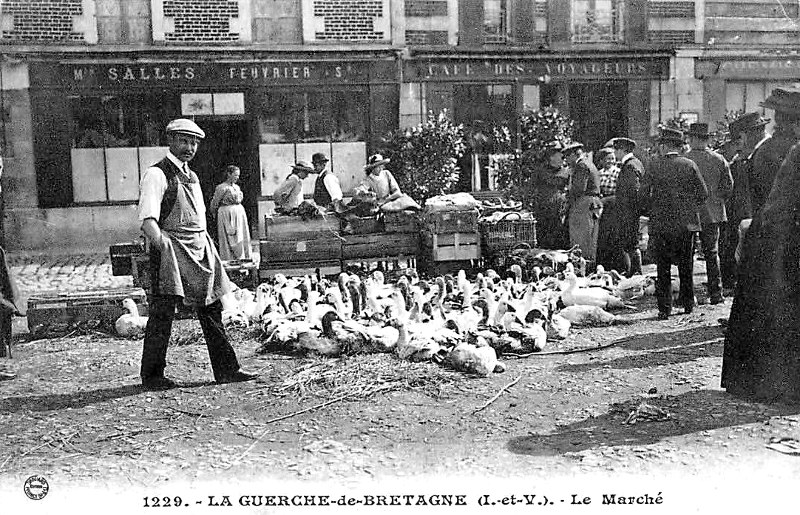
(698, 130)
(620, 142)
(375, 160)
(671, 136)
(747, 122)
(319, 157)
(785, 100)
(185, 126)
(303, 166)
(571, 147)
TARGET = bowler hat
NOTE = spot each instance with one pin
(786, 100)
(671, 136)
(621, 143)
(746, 122)
(375, 160)
(571, 147)
(185, 126)
(303, 166)
(698, 130)
(319, 157)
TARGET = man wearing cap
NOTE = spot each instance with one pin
(761, 359)
(585, 207)
(327, 190)
(768, 157)
(548, 199)
(674, 193)
(746, 133)
(626, 204)
(289, 195)
(184, 264)
(717, 176)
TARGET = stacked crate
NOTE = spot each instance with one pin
(395, 239)
(293, 246)
(449, 239)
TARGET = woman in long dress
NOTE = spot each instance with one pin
(233, 231)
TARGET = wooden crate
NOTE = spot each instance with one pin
(452, 246)
(319, 249)
(122, 255)
(442, 222)
(356, 246)
(400, 222)
(292, 228)
(300, 268)
(365, 224)
(52, 309)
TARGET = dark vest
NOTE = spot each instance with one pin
(321, 195)
(171, 195)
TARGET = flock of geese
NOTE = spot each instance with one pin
(466, 322)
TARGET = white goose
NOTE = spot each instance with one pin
(130, 324)
(574, 295)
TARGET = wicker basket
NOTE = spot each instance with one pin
(500, 236)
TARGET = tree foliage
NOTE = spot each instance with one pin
(424, 158)
(538, 129)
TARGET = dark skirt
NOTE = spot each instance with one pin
(761, 359)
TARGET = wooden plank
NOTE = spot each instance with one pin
(299, 268)
(288, 228)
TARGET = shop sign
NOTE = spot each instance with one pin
(751, 68)
(216, 74)
(536, 69)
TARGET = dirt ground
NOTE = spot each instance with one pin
(551, 425)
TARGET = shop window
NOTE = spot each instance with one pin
(496, 20)
(597, 21)
(123, 21)
(313, 116)
(114, 139)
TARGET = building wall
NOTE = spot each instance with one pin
(353, 21)
(431, 22)
(61, 21)
(200, 21)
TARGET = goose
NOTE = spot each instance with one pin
(348, 334)
(557, 327)
(587, 316)
(601, 297)
(601, 279)
(130, 324)
(253, 310)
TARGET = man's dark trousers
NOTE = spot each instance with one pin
(159, 329)
(674, 248)
(709, 241)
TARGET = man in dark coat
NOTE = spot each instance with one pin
(628, 191)
(761, 359)
(768, 156)
(717, 176)
(674, 193)
(746, 133)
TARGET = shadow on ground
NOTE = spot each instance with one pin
(691, 412)
(660, 349)
(78, 399)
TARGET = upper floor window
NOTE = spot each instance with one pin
(597, 21)
(496, 20)
(123, 21)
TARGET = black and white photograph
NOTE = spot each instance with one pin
(403, 256)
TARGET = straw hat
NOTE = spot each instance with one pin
(375, 160)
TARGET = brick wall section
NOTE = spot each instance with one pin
(671, 9)
(201, 21)
(426, 8)
(349, 20)
(42, 20)
(426, 37)
(671, 37)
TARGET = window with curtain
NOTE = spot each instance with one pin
(496, 20)
(597, 21)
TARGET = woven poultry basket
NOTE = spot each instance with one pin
(500, 236)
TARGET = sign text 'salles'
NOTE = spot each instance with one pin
(220, 73)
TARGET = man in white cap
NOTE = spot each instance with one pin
(184, 264)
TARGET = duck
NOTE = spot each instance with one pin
(587, 316)
(600, 297)
(349, 335)
(254, 309)
(601, 279)
(130, 324)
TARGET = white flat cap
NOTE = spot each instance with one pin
(185, 126)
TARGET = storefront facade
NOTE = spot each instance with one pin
(606, 95)
(98, 124)
(740, 83)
